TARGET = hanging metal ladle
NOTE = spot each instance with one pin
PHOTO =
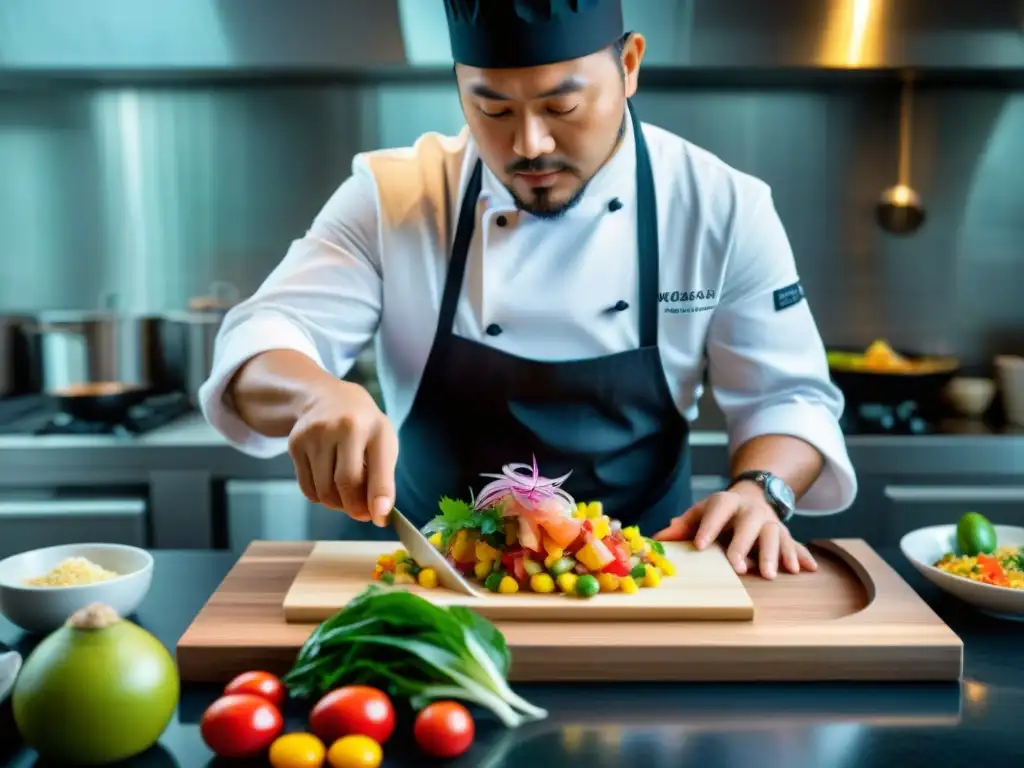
(899, 210)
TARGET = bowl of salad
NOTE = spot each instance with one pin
(525, 533)
(973, 560)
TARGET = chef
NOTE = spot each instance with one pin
(553, 281)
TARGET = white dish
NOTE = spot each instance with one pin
(10, 665)
(44, 609)
(926, 545)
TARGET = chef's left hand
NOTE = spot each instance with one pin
(751, 521)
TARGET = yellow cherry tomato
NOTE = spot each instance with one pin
(355, 751)
(297, 750)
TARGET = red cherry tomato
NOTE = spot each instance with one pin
(261, 684)
(240, 725)
(353, 709)
(444, 729)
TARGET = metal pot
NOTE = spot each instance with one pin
(20, 373)
(187, 339)
(78, 348)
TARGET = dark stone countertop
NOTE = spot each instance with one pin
(812, 725)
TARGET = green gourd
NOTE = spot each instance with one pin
(98, 690)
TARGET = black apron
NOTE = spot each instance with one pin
(609, 420)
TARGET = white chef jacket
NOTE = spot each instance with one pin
(372, 268)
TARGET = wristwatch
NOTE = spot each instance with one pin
(778, 494)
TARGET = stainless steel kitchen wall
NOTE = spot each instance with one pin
(156, 192)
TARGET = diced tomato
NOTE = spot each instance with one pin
(588, 526)
(577, 544)
(561, 530)
(514, 563)
(619, 547)
(992, 571)
(617, 568)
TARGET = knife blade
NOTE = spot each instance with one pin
(427, 556)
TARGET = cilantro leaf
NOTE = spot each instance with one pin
(457, 515)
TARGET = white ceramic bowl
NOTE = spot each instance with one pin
(926, 545)
(44, 609)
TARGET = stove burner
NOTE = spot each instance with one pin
(38, 415)
(886, 418)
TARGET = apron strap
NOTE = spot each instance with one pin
(646, 237)
(460, 252)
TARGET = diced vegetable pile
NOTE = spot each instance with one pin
(525, 533)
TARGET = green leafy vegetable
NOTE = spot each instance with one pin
(403, 643)
(457, 515)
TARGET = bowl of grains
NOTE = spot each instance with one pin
(40, 589)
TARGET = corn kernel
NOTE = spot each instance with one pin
(550, 560)
(404, 577)
(508, 586)
(595, 509)
(567, 583)
(631, 532)
(602, 527)
(402, 568)
(580, 514)
(636, 546)
(435, 539)
(483, 568)
(609, 582)
(427, 578)
(663, 565)
(542, 582)
(628, 585)
(400, 555)
(387, 562)
(652, 578)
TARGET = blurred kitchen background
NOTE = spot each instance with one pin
(160, 157)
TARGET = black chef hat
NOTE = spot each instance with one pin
(494, 34)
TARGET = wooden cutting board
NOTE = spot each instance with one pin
(704, 588)
(854, 619)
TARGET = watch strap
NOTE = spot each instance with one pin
(760, 477)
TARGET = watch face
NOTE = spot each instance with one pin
(781, 492)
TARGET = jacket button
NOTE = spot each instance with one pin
(620, 306)
(493, 329)
(614, 204)
(501, 221)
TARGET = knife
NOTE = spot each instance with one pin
(427, 556)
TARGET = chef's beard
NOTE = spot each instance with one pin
(542, 206)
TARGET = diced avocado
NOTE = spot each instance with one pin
(532, 567)
(562, 565)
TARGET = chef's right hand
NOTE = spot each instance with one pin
(345, 451)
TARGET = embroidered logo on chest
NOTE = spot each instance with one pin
(687, 302)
